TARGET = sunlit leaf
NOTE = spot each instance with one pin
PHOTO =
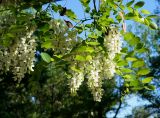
(88, 57)
(143, 71)
(85, 49)
(93, 43)
(80, 58)
(46, 57)
(144, 11)
(147, 80)
(126, 70)
(138, 64)
(131, 59)
(47, 45)
(70, 14)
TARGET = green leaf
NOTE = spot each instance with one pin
(92, 43)
(139, 4)
(152, 16)
(70, 14)
(47, 45)
(55, 8)
(46, 57)
(130, 3)
(131, 39)
(138, 64)
(143, 71)
(135, 83)
(44, 27)
(85, 2)
(122, 63)
(153, 25)
(75, 69)
(128, 36)
(129, 16)
(126, 70)
(142, 50)
(131, 59)
(88, 58)
(80, 58)
(150, 87)
(85, 49)
(144, 11)
(129, 77)
(147, 80)
(146, 21)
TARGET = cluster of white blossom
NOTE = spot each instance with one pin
(95, 80)
(113, 43)
(19, 57)
(76, 81)
(63, 39)
(99, 67)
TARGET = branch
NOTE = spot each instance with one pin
(81, 21)
(94, 3)
(119, 107)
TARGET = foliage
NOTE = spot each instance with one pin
(66, 63)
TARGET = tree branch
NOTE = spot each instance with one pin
(94, 3)
(119, 107)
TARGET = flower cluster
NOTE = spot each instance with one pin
(113, 43)
(19, 57)
(76, 81)
(99, 67)
(95, 79)
(63, 39)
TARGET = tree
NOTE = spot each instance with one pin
(65, 62)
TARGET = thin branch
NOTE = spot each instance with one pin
(119, 107)
(120, 101)
(81, 21)
(99, 5)
(94, 3)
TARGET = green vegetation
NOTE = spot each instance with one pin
(60, 68)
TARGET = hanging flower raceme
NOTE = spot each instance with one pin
(19, 57)
(76, 81)
(100, 67)
(95, 80)
(112, 43)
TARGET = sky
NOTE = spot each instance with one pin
(131, 100)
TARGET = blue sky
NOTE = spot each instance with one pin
(77, 7)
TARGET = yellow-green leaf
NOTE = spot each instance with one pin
(147, 80)
(46, 57)
(138, 64)
(143, 71)
(126, 70)
(131, 59)
(88, 58)
(144, 11)
(80, 58)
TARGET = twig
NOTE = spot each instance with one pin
(81, 21)
(94, 3)
(119, 107)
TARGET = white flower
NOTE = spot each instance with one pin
(18, 58)
(76, 81)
